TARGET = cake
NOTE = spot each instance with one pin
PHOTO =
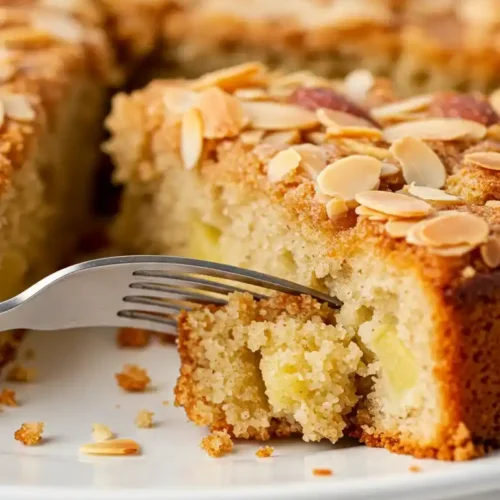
(389, 204)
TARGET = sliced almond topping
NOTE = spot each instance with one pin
(371, 214)
(394, 203)
(277, 116)
(222, 114)
(18, 107)
(420, 164)
(111, 447)
(191, 138)
(431, 194)
(358, 83)
(437, 129)
(486, 159)
(495, 100)
(343, 124)
(364, 148)
(232, 78)
(454, 251)
(490, 252)
(389, 169)
(336, 207)
(401, 108)
(399, 228)
(283, 163)
(178, 100)
(316, 137)
(7, 71)
(283, 137)
(252, 137)
(313, 158)
(265, 152)
(492, 204)
(454, 230)
(252, 94)
(348, 176)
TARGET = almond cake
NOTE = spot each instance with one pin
(389, 204)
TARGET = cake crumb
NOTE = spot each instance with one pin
(8, 397)
(144, 419)
(101, 432)
(19, 373)
(468, 272)
(322, 472)
(218, 443)
(29, 354)
(264, 452)
(133, 378)
(415, 468)
(133, 337)
(30, 433)
(165, 403)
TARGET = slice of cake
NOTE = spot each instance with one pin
(390, 205)
(55, 66)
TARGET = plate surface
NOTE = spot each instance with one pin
(76, 387)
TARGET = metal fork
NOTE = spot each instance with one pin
(136, 291)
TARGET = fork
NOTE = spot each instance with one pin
(135, 291)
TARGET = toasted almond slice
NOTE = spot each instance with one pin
(252, 137)
(18, 107)
(316, 137)
(313, 158)
(436, 129)
(283, 137)
(336, 207)
(364, 148)
(393, 203)
(399, 228)
(371, 214)
(7, 71)
(111, 447)
(252, 94)
(490, 252)
(277, 116)
(492, 204)
(303, 78)
(358, 83)
(487, 159)
(191, 138)
(322, 198)
(431, 194)
(178, 100)
(401, 108)
(421, 165)
(343, 124)
(495, 100)
(389, 169)
(348, 176)
(265, 152)
(222, 114)
(454, 230)
(229, 79)
(283, 163)
(454, 251)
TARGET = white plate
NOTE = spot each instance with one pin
(76, 387)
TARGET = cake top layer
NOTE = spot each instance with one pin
(421, 168)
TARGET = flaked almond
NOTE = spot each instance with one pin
(336, 207)
(222, 114)
(316, 137)
(340, 124)
(490, 252)
(179, 100)
(436, 129)
(313, 158)
(431, 194)
(495, 100)
(371, 214)
(229, 79)
(364, 148)
(358, 83)
(265, 152)
(252, 137)
(282, 137)
(487, 159)
(454, 230)
(18, 107)
(191, 138)
(420, 164)
(348, 176)
(389, 169)
(492, 204)
(111, 447)
(454, 251)
(7, 71)
(396, 204)
(252, 94)
(282, 164)
(400, 108)
(399, 228)
(277, 116)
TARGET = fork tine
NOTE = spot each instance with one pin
(143, 315)
(157, 304)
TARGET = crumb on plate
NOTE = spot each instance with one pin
(322, 472)
(166, 338)
(264, 452)
(101, 432)
(112, 447)
(8, 397)
(133, 378)
(218, 443)
(30, 433)
(19, 373)
(165, 403)
(144, 419)
(415, 468)
(133, 337)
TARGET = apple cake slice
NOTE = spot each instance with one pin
(390, 205)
